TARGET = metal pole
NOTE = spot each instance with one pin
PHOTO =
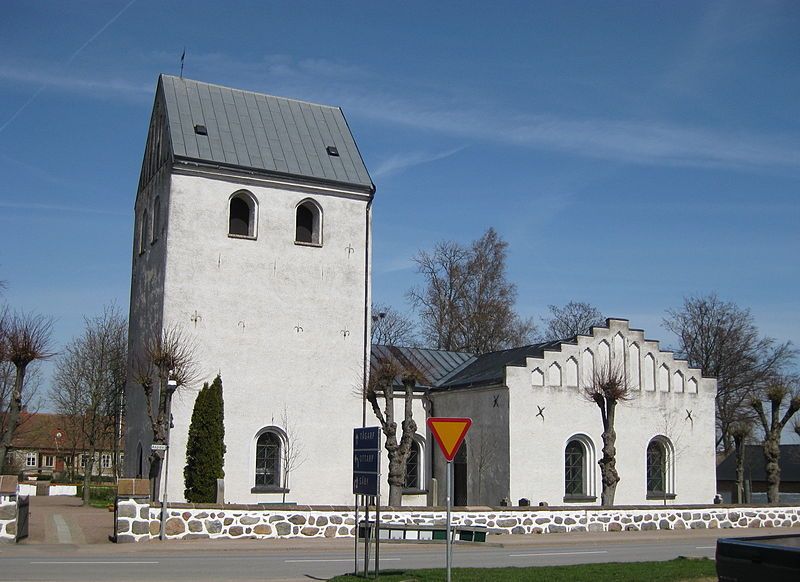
(378, 534)
(449, 542)
(355, 547)
(163, 532)
(366, 536)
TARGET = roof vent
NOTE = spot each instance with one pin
(200, 130)
(332, 151)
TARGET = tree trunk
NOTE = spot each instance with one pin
(14, 410)
(608, 464)
(740, 450)
(772, 454)
(87, 476)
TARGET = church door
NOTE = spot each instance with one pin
(460, 477)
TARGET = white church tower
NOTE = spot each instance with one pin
(252, 236)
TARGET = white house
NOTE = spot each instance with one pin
(253, 236)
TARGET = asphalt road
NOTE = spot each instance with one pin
(296, 560)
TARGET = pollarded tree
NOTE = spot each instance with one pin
(381, 385)
(168, 357)
(740, 432)
(775, 394)
(575, 317)
(26, 338)
(607, 388)
(205, 448)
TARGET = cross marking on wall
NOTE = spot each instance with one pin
(345, 332)
(195, 318)
(495, 404)
(350, 250)
(541, 411)
(689, 415)
(298, 329)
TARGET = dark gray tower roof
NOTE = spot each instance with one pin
(241, 129)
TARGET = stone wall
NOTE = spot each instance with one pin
(8, 518)
(138, 521)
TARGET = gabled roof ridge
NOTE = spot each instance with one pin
(252, 92)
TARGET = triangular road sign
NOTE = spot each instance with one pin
(449, 433)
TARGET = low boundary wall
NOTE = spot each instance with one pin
(138, 520)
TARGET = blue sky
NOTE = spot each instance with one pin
(631, 153)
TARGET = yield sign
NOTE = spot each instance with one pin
(449, 433)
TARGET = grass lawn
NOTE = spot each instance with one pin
(674, 570)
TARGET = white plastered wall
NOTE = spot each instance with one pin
(537, 444)
(283, 323)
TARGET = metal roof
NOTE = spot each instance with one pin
(430, 366)
(279, 136)
(490, 368)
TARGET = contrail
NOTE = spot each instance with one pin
(72, 57)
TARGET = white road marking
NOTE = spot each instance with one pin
(556, 554)
(62, 529)
(337, 560)
(704, 547)
(84, 563)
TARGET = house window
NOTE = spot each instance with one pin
(578, 469)
(242, 215)
(156, 219)
(659, 470)
(48, 460)
(308, 223)
(413, 466)
(30, 460)
(84, 460)
(268, 460)
(574, 474)
(105, 460)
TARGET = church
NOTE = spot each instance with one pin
(252, 236)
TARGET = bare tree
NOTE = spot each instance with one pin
(740, 432)
(167, 357)
(390, 327)
(775, 394)
(292, 451)
(381, 385)
(574, 318)
(607, 388)
(466, 303)
(26, 339)
(723, 341)
(89, 379)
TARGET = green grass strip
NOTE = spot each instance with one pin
(672, 571)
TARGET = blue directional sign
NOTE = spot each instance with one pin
(366, 460)
(367, 438)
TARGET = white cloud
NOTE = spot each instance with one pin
(399, 162)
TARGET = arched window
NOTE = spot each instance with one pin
(308, 223)
(659, 468)
(414, 466)
(574, 469)
(143, 232)
(268, 460)
(242, 215)
(156, 219)
(578, 473)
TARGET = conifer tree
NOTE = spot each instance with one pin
(205, 449)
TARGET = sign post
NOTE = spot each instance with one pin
(449, 434)
(366, 482)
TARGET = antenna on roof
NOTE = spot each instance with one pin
(183, 56)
